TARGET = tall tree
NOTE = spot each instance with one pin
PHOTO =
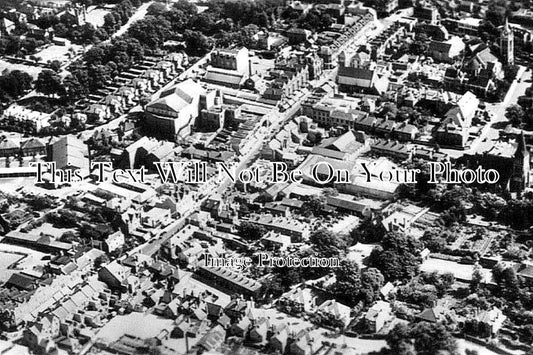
(49, 83)
(398, 257)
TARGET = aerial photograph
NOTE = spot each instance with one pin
(266, 177)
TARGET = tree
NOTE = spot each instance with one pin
(197, 44)
(49, 83)
(327, 244)
(431, 338)
(156, 9)
(251, 231)
(433, 240)
(14, 84)
(507, 281)
(399, 339)
(98, 75)
(39, 203)
(517, 214)
(490, 205)
(100, 260)
(370, 230)
(516, 115)
(96, 55)
(55, 65)
(314, 205)
(398, 257)
(73, 89)
(151, 31)
(110, 24)
(477, 278)
(347, 286)
(186, 6)
(371, 283)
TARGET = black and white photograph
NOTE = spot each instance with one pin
(266, 177)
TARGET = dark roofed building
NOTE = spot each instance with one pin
(21, 282)
(230, 280)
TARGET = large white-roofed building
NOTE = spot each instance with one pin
(175, 111)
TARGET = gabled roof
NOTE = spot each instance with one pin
(8, 144)
(179, 96)
(20, 281)
(213, 339)
(428, 315)
(33, 143)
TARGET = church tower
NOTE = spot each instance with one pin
(507, 44)
(520, 178)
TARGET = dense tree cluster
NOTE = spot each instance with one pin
(398, 257)
(436, 239)
(49, 83)
(313, 205)
(251, 231)
(326, 244)
(370, 230)
(426, 289)
(421, 338)
(13, 84)
(14, 45)
(353, 285)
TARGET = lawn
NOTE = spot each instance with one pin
(95, 15)
(7, 259)
(31, 70)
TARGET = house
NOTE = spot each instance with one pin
(365, 80)
(7, 26)
(485, 324)
(114, 241)
(98, 112)
(446, 51)
(377, 316)
(114, 275)
(333, 314)
(9, 148)
(39, 335)
(212, 339)
(33, 120)
(237, 309)
(298, 300)
(39, 33)
(33, 147)
(303, 344)
(259, 332)
(387, 290)
(298, 35)
(392, 148)
(278, 341)
(241, 328)
(115, 103)
(155, 217)
(454, 130)
(435, 315)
